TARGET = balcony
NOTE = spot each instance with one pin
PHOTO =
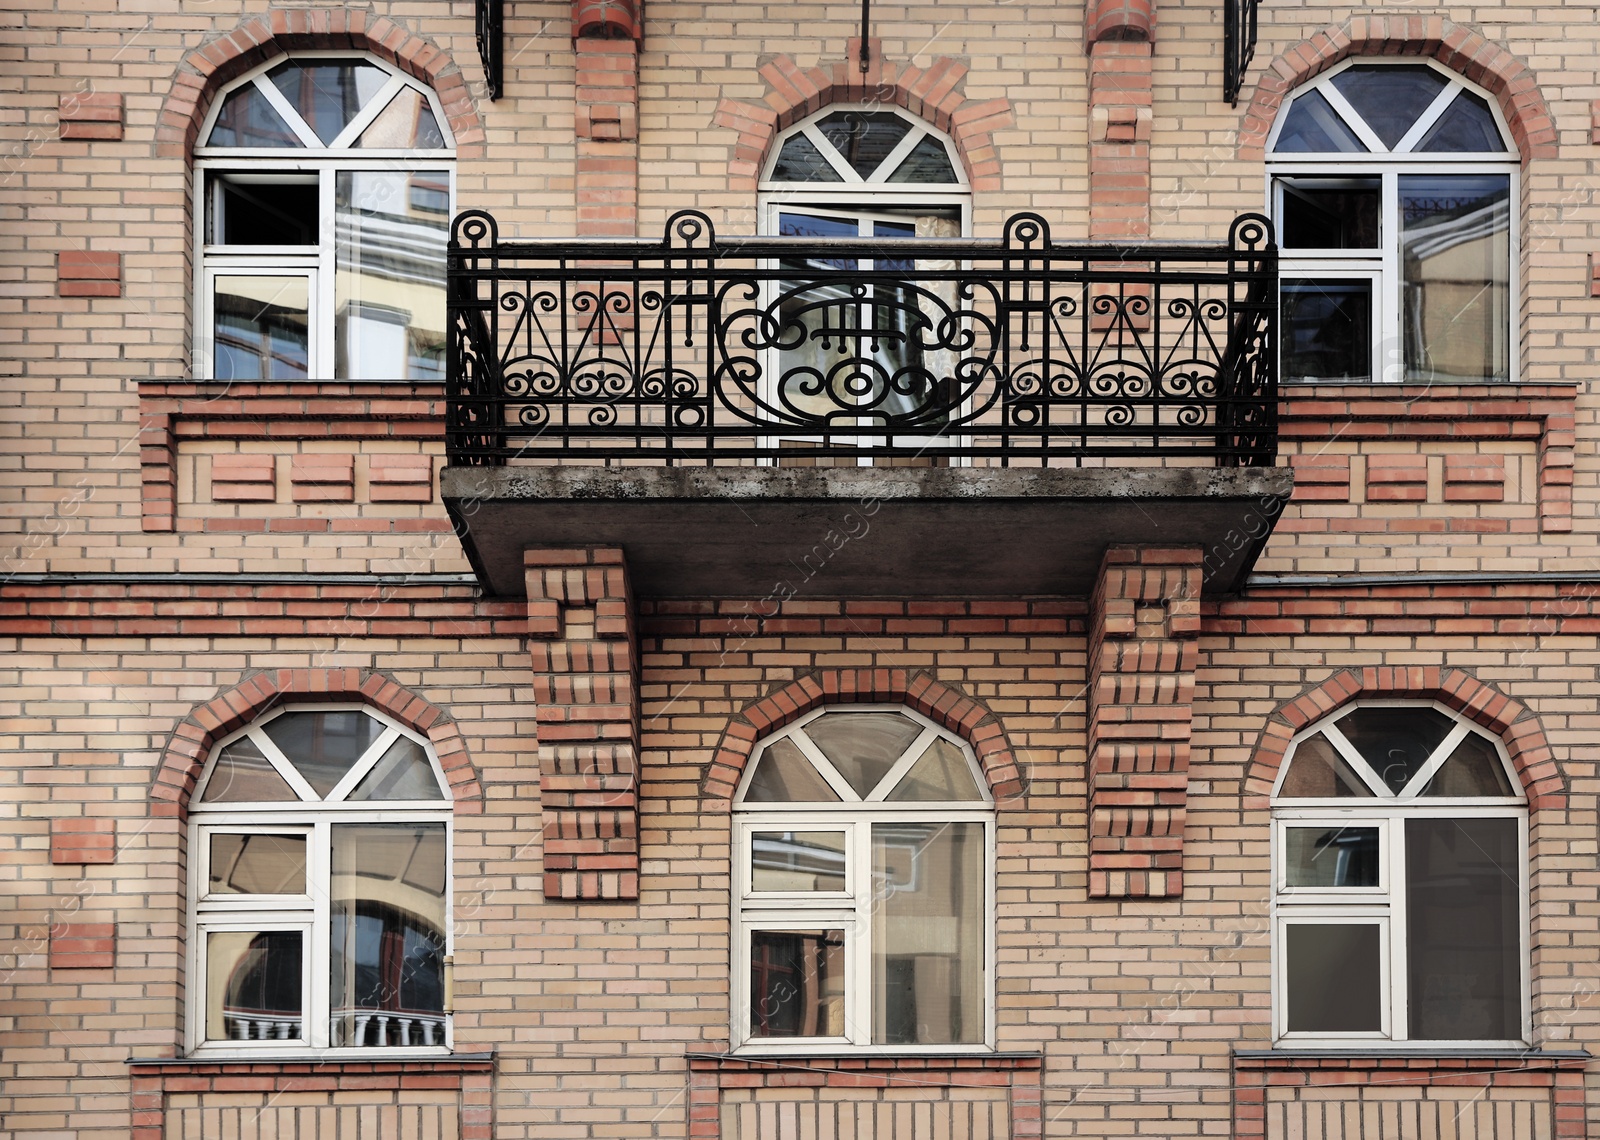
(701, 401)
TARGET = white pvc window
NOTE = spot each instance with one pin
(319, 888)
(863, 888)
(323, 188)
(1392, 186)
(1399, 883)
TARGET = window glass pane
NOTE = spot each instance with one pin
(1333, 977)
(242, 774)
(407, 122)
(389, 284)
(1319, 772)
(1396, 741)
(262, 212)
(1466, 125)
(1474, 769)
(328, 94)
(1390, 99)
(928, 931)
(257, 865)
(797, 861)
(863, 746)
(1331, 856)
(865, 138)
(783, 774)
(254, 985)
(800, 161)
(403, 773)
(1455, 235)
(1327, 329)
(387, 934)
(927, 162)
(1324, 214)
(261, 328)
(247, 119)
(323, 746)
(797, 983)
(1313, 126)
(1463, 882)
(941, 774)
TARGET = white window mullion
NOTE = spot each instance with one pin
(1392, 362)
(860, 997)
(318, 954)
(1399, 1009)
(325, 286)
(291, 117)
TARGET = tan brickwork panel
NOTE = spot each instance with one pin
(865, 1115)
(291, 1116)
(1407, 1113)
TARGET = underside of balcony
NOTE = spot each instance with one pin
(822, 532)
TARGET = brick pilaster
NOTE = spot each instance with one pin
(606, 37)
(1119, 139)
(585, 659)
(1144, 619)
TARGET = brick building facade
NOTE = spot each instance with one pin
(1144, 698)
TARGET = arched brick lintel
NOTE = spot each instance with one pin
(192, 740)
(225, 57)
(1459, 48)
(1511, 720)
(930, 93)
(938, 702)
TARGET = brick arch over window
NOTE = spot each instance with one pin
(1511, 720)
(1459, 48)
(192, 740)
(930, 93)
(938, 702)
(207, 69)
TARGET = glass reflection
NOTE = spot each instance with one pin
(257, 864)
(928, 933)
(1331, 857)
(797, 983)
(387, 934)
(389, 262)
(254, 985)
(797, 861)
(1455, 249)
(261, 327)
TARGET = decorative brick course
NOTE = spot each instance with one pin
(939, 702)
(267, 1089)
(585, 661)
(83, 841)
(190, 743)
(1144, 619)
(83, 945)
(319, 478)
(400, 479)
(228, 55)
(244, 479)
(81, 273)
(90, 116)
(1459, 48)
(1511, 720)
(931, 93)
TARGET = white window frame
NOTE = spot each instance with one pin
(310, 911)
(851, 910)
(1388, 363)
(324, 162)
(1385, 904)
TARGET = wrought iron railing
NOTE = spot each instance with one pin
(1238, 45)
(699, 349)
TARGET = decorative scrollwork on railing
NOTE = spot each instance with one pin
(700, 349)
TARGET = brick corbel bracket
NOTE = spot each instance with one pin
(191, 742)
(1144, 621)
(582, 638)
(1459, 48)
(940, 703)
(1508, 719)
(932, 93)
(279, 31)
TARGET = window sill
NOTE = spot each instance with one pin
(308, 1061)
(841, 1059)
(1269, 1058)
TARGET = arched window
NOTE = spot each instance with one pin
(865, 172)
(319, 898)
(863, 899)
(1392, 184)
(1400, 882)
(323, 185)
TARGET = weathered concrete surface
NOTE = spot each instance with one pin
(862, 531)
